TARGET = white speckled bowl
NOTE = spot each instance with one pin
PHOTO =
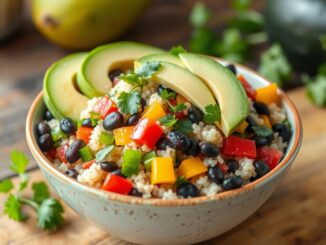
(155, 221)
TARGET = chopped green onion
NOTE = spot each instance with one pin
(131, 162)
(106, 138)
(57, 134)
(147, 159)
(86, 154)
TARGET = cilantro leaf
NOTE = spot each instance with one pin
(23, 181)
(184, 126)
(179, 107)
(49, 214)
(203, 41)
(212, 114)
(262, 131)
(41, 192)
(181, 180)
(129, 102)
(131, 78)
(13, 208)
(6, 186)
(166, 95)
(168, 120)
(316, 89)
(274, 65)
(177, 50)
(148, 69)
(101, 155)
(200, 15)
(19, 162)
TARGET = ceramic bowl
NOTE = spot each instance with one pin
(155, 221)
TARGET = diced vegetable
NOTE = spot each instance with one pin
(162, 171)
(61, 153)
(268, 94)
(117, 184)
(86, 154)
(103, 153)
(224, 168)
(87, 165)
(191, 167)
(122, 136)
(106, 138)
(147, 132)
(242, 127)
(84, 133)
(147, 159)
(239, 147)
(251, 93)
(131, 162)
(105, 106)
(57, 134)
(154, 112)
(270, 155)
(266, 120)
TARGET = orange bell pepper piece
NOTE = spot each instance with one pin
(268, 94)
(84, 133)
(266, 120)
(242, 127)
(191, 167)
(122, 136)
(154, 112)
(162, 171)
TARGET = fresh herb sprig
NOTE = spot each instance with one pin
(49, 210)
(212, 114)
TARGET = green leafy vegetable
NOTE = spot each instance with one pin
(101, 155)
(129, 102)
(212, 114)
(166, 95)
(148, 69)
(177, 50)
(131, 162)
(49, 211)
(168, 120)
(240, 5)
(200, 15)
(179, 107)
(184, 126)
(180, 180)
(262, 131)
(131, 78)
(274, 65)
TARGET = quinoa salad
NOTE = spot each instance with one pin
(143, 138)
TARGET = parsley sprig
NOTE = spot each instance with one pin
(49, 210)
(212, 114)
(262, 131)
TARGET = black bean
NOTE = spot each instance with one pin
(208, 149)
(67, 126)
(195, 115)
(232, 68)
(45, 142)
(133, 119)
(72, 173)
(232, 182)
(135, 192)
(251, 123)
(72, 153)
(118, 172)
(177, 162)
(161, 144)
(143, 104)
(113, 120)
(261, 168)
(47, 115)
(87, 123)
(232, 165)
(283, 131)
(43, 128)
(188, 190)
(261, 108)
(108, 166)
(178, 140)
(114, 73)
(193, 149)
(161, 88)
(215, 174)
(260, 141)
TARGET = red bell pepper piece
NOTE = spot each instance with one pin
(84, 133)
(239, 147)
(147, 132)
(251, 93)
(105, 106)
(270, 155)
(224, 168)
(117, 184)
(61, 153)
(178, 115)
(87, 165)
(51, 153)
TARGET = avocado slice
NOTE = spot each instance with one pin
(224, 85)
(183, 82)
(167, 57)
(61, 95)
(93, 78)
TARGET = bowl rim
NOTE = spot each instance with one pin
(126, 199)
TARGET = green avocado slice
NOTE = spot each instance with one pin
(224, 85)
(183, 82)
(59, 86)
(166, 57)
(93, 78)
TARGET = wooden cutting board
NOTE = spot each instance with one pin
(295, 214)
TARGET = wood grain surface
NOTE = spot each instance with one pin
(295, 214)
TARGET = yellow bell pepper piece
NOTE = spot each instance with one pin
(154, 112)
(162, 171)
(122, 136)
(242, 127)
(191, 167)
(266, 120)
(268, 94)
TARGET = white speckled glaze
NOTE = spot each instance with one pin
(154, 221)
